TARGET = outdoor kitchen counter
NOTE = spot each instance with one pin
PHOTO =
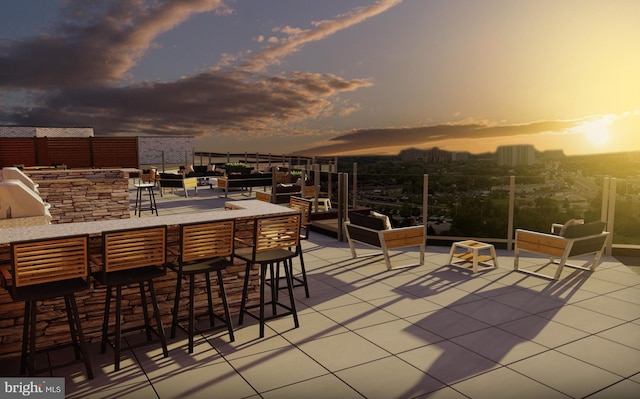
(91, 302)
(234, 210)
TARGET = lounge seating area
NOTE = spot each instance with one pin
(427, 331)
(244, 182)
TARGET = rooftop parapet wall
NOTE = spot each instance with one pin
(28, 131)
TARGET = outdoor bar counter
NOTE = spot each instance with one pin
(91, 302)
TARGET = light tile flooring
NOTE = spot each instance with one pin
(436, 331)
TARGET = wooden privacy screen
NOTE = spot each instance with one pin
(74, 152)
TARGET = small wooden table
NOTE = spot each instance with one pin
(471, 254)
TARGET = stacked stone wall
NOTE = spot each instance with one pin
(84, 195)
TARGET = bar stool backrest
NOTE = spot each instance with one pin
(207, 240)
(276, 232)
(304, 207)
(133, 248)
(44, 261)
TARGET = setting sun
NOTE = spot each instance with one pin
(597, 132)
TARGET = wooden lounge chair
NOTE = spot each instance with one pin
(575, 240)
(372, 231)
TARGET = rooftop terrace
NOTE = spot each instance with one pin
(430, 331)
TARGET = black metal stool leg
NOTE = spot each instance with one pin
(225, 305)
(118, 335)
(72, 327)
(145, 311)
(263, 271)
(160, 327)
(105, 321)
(243, 301)
(78, 330)
(176, 306)
(192, 297)
(291, 297)
(25, 337)
(274, 290)
(212, 319)
(304, 272)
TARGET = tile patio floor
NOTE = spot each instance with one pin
(436, 331)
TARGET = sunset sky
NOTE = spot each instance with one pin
(329, 77)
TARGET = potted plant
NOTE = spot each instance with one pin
(294, 175)
(237, 167)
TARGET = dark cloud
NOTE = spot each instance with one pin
(215, 102)
(76, 75)
(375, 139)
(98, 42)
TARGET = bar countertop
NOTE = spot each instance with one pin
(235, 209)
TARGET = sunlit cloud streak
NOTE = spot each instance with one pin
(296, 37)
(376, 140)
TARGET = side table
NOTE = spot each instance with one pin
(471, 254)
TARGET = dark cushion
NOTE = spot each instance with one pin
(370, 222)
(171, 176)
(584, 230)
(287, 188)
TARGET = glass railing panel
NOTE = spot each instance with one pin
(626, 225)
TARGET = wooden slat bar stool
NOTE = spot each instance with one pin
(133, 256)
(304, 207)
(43, 270)
(275, 239)
(205, 248)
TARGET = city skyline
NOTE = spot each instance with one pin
(349, 77)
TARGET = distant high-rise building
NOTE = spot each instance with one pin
(433, 155)
(459, 156)
(512, 155)
(412, 154)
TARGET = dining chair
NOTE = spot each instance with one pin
(275, 239)
(131, 257)
(205, 247)
(43, 270)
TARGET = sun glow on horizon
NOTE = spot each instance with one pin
(597, 132)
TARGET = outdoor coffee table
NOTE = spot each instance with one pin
(471, 253)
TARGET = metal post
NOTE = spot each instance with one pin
(355, 185)
(316, 183)
(329, 184)
(343, 199)
(512, 206)
(610, 214)
(605, 199)
(425, 202)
